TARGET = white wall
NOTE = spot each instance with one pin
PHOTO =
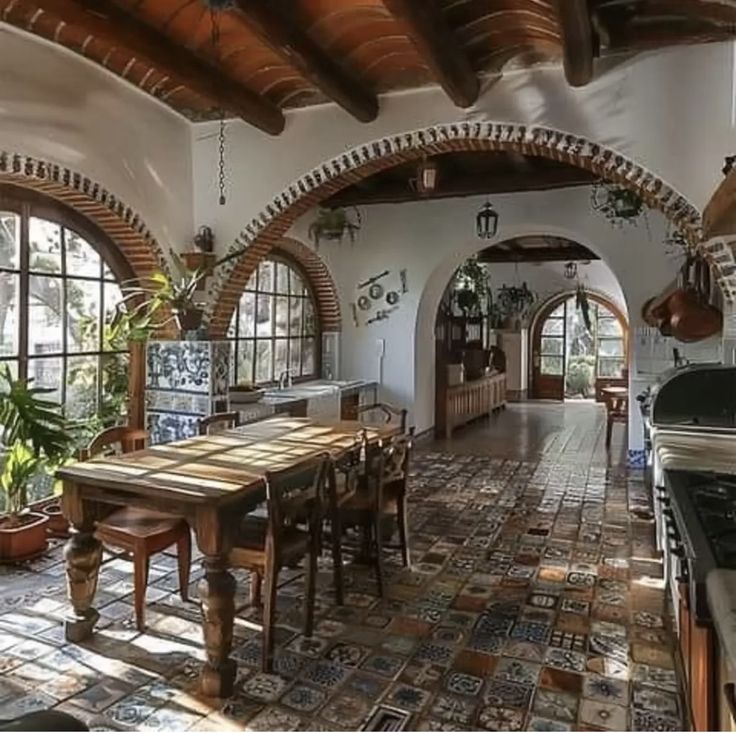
(57, 106)
(670, 111)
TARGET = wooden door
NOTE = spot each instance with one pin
(548, 355)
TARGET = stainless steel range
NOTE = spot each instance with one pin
(690, 433)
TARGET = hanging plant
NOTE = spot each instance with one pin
(333, 224)
(583, 305)
(618, 204)
(515, 302)
(471, 287)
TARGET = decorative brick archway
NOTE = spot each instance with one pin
(320, 280)
(89, 198)
(267, 229)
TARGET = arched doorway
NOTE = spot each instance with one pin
(572, 359)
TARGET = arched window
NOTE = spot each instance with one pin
(58, 290)
(275, 325)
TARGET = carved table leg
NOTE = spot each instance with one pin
(217, 592)
(83, 554)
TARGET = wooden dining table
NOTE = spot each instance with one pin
(212, 481)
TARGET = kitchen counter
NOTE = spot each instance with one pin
(315, 389)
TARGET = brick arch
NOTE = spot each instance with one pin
(266, 229)
(320, 280)
(93, 201)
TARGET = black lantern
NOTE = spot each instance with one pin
(486, 222)
(571, 271)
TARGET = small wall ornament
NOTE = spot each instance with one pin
(378, 296)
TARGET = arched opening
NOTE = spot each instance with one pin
(574, 356)
(265, 230)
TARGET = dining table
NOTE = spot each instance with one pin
(212, 481)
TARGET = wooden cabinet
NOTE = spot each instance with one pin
(471, 400)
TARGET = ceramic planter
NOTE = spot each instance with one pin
(24, 542)
(189, 319)
(57, 525)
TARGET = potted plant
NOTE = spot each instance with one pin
(35, 438)
(333, 224)
(515, 303)
(617, 203)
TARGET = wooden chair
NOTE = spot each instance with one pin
(141, 532)
(382, 493)
(265, 545)
(390, 413)
(343, 477)
(220, 420)
(617, 410)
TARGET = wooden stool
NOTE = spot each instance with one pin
(617, 408)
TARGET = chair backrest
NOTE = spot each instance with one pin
(389, 413)
(387, 463)
(349, 463)
(296, 492)
(220, 420)
(120, 437)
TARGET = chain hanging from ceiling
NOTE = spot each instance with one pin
(216, 8)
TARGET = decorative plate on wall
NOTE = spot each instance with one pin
(392, 297)
(364, 303)
(376, 291)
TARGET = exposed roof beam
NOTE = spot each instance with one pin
(282, 34)
(565, 253)
(110, 23)
(439, 48)
(578, 41)
(493, 183)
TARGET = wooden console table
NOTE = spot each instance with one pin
(468, 401)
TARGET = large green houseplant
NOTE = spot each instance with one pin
(35, 438)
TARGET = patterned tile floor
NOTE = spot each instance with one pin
(534, 603)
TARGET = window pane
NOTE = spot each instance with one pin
(114, 377)
(112, 296)
(610, 367)
(610, 347)
(47, 373)
(309, 356)
(295, 318)
(265, 276)
(81, 258)
(9, 239)
(558, 312)
(295, 356)
(609, 327)
(44, 239)
(310, 322)
(265, 308)
(44, 315)
(281, 357)
(9, 294)
(244, 363)
(13, 365)
(247, 315)
(552, 346)
(282, 278)
(296, 284)
(83, 315)
(553, 327)
(552, 365)
(81, 386)
(282, 316)
(264, 365)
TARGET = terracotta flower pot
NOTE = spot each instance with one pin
(57, 525)
(189, 319)
(25, 541)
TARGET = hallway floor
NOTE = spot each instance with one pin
(533, 603)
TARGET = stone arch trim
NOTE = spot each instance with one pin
(266, 229)
(91, 199)
(320, 280)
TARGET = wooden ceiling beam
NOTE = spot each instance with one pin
(578, 41)
(108, 22)
(542, 179)
(561, 253)
(283, 35)
(439, 48)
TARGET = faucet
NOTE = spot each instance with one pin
(285, 379)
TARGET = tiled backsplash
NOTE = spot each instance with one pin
(653, 353)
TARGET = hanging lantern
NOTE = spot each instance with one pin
(427, 175)
(571, 271)
(486, 221)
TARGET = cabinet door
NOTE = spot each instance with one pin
(702, 677)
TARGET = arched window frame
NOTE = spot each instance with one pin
(235, 335)
(114, 269)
